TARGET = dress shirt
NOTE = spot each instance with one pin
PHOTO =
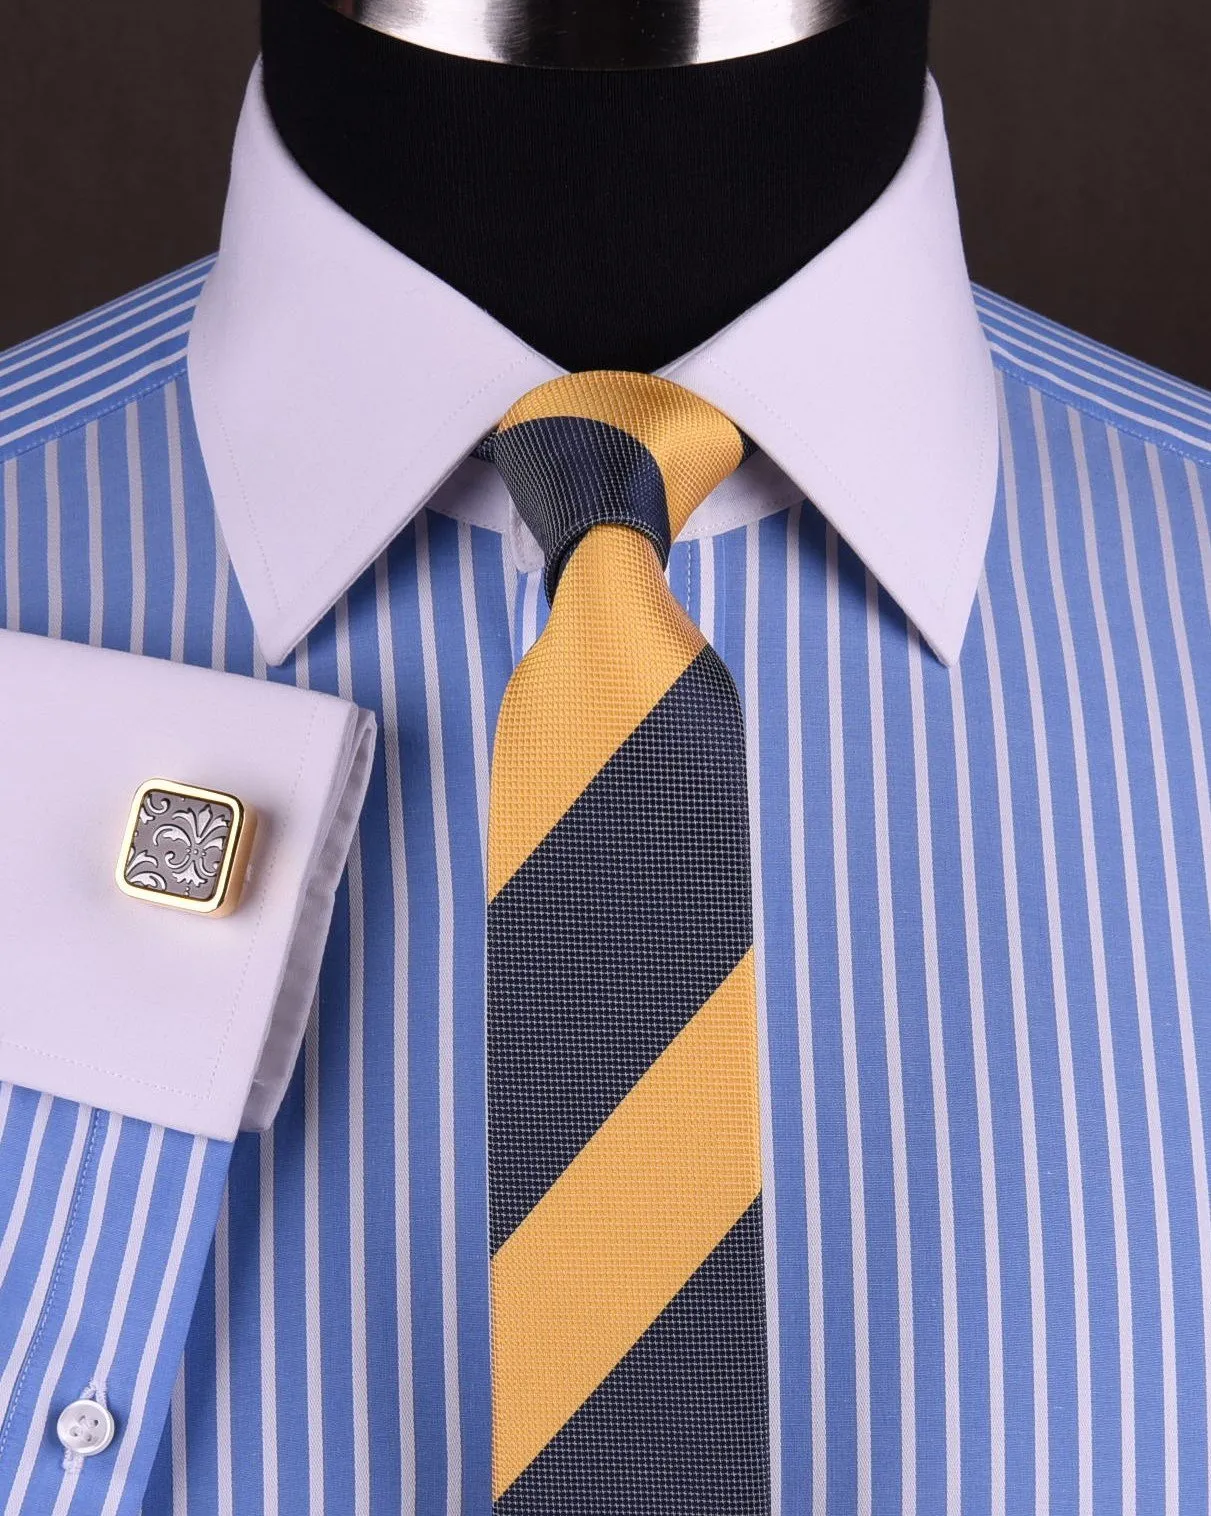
(966, 605)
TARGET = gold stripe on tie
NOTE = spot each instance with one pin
(593, 692)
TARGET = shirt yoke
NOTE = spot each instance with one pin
(1130, 396)
(58, 382)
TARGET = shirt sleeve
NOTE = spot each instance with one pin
(108, 1224)
(135, 1040)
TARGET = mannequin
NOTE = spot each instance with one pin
(612, 217)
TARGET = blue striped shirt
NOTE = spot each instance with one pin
(984, 929)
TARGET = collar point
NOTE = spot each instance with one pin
(943, 629)
(277, 646)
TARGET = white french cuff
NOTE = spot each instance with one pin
(185, 1018)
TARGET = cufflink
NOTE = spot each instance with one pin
(186, 847)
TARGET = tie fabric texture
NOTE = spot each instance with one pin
(629, 1358)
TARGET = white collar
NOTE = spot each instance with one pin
(336, 385)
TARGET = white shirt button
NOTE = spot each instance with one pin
(85, 1427)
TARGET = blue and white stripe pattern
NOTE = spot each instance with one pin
(106, 1226)
(984, 920)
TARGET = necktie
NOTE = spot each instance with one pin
(629, 1370)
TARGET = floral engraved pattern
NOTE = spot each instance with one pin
(178, 845)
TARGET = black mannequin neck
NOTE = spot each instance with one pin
(612, 220)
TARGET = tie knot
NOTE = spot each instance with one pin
(602, 447)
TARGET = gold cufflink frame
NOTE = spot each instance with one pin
(186, 848)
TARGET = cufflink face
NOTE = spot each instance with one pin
(186, 847)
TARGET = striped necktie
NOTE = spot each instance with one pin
(629, 1371)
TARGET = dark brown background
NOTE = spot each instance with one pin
(1081, 132)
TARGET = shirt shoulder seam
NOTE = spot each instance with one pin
(98, 362)
(1127, 425)
(76, 420)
